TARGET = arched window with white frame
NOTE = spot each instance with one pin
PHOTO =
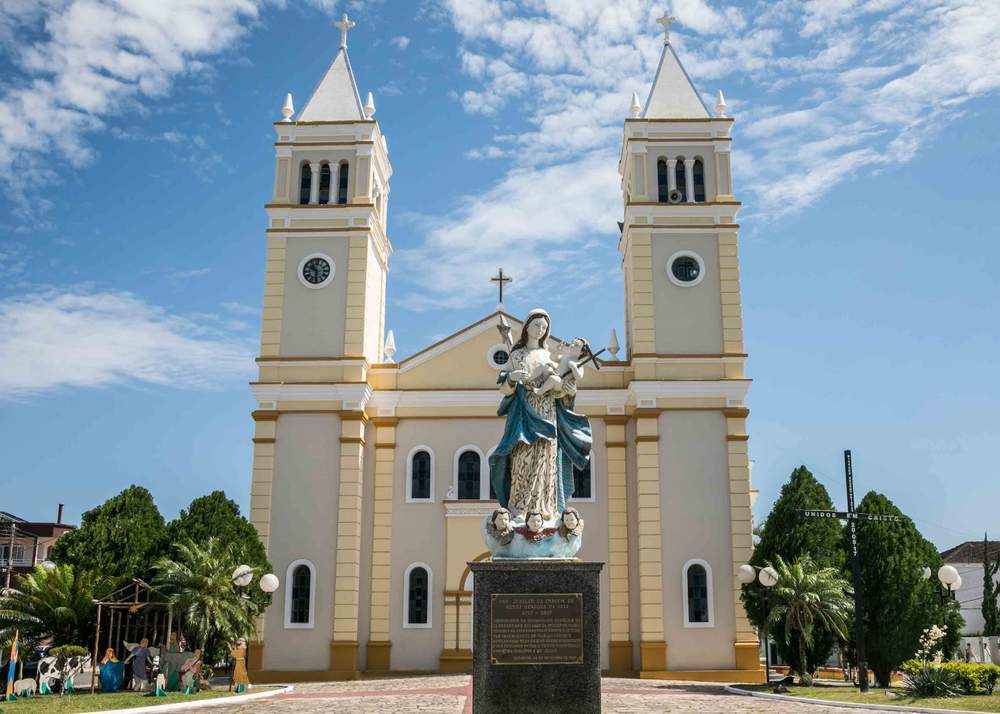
(418, 583)
(324, 183)
(698, 174)
(300, 595)
(420, 475)
(662, 181)
(679, 180)
(469, 482)
(699, 608)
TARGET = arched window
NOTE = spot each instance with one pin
(699, 181)
(300, 594)
(342, 184)
(417, 582)
(679, 178)
(662, 181)
(420, 475)
(469, 463)
(697, 576)
(324, 183)
(305, 183)
(582, 486)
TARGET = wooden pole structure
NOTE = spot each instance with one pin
(97, 644)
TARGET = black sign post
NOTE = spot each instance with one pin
(852, 517)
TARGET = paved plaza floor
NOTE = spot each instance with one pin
(453, 695)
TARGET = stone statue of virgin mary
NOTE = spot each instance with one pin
(531, 469)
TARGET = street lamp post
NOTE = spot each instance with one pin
(949, 578)
(241, 578)
(768, 577)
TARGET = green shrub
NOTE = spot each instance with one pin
(64, 652)
(971, 677)
(931, 681)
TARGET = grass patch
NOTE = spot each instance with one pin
(87, 702)
(896, 697)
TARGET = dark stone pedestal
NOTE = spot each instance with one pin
(537, 637)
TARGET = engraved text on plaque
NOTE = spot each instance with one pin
(536, 628)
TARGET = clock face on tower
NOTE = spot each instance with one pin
(315, 271)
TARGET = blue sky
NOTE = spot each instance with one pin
(136, 154)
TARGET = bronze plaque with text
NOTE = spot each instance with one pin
(531, 628)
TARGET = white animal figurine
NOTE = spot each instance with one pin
(24, 687)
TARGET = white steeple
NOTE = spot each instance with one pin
(369, 107)
(673, 95)
(720, 105)
(288, 109)
(336, 97)
(636, 108)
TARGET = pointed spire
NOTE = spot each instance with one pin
(336, 96)
(369, 106)
(288, 109)
(390, 346)
(636, 109)
(720, 105)
(673, 95)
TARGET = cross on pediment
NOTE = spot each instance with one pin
(501, 279)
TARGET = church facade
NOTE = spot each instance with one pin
(370, 477)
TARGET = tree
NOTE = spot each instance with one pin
(55, 605)
(808, 599)
(215, 516)
(786, 535)
(199, 582)
(991, 613)
(898, 603)
(120, 539)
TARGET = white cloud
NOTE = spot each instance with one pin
(80, 61)
(401, 42)
(80, 338)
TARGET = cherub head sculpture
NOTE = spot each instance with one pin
(534, 521)
(499, 526)
(570, 524)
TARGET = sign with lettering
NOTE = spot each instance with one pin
(542, 628)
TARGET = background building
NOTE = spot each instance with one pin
(968, 560)
(24, 544)
(370, 477)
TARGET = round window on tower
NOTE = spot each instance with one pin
(498, 356)
(685, 268)
(316, 270)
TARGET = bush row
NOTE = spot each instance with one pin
(973, 677)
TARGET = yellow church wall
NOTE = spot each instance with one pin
(688, 319)
(304, 308)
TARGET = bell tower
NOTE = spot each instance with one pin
(328, 251)
(322, 329)
(685, 344)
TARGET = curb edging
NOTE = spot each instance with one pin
(215, 702)
(845, 705)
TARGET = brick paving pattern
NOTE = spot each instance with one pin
(452, 695)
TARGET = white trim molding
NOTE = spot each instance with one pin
(409, 474)
(685, 254)
(406, 598)
(708, 585)
(484, 481)
(289, 625)
(329, 278)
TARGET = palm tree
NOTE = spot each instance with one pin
(54, 604)
(199, 583)
(805, 599)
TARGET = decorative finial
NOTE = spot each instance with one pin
(667, 20)
(720, 105)
(369, 106)
(636, 109)
(390, 346)
(343, 24)
(613, 345)
(288, 109)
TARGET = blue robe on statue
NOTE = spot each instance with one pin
(525, 426)
(112, 674)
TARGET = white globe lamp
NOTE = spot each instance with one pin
(957, 584)
(269, 582)
(242, 576)
(746, 573)
(948, 575)
(768, 577)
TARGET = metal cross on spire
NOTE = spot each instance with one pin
(343, 24)
(500, 279)
(667, 20)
